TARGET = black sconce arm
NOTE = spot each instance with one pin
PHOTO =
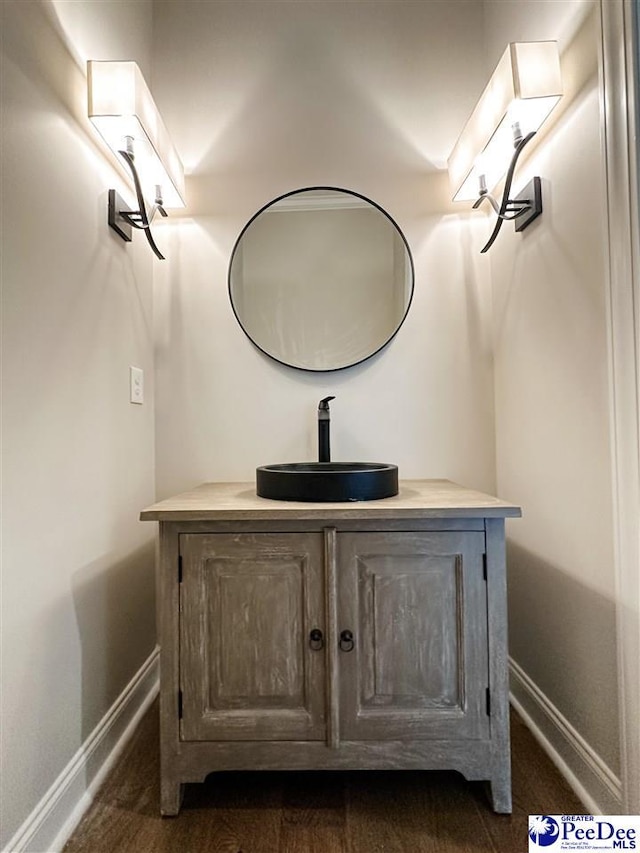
(508, 208)
(139, 218)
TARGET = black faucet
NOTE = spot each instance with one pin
(324, 425)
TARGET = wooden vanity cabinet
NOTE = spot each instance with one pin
(333, 636)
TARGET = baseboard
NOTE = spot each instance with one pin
(593, 782)
(50, 824)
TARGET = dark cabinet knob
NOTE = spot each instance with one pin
(346, 641)
(316, 639)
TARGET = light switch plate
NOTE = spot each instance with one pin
(136, 385)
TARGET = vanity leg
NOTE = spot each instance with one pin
(500, 787)
(500, 779)
(171, 794)
(168, 602)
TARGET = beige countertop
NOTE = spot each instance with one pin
(416, 499)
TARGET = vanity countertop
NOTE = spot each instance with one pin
(416, 499)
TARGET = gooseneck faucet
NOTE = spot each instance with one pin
(324, 426)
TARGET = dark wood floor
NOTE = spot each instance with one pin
(355, 812)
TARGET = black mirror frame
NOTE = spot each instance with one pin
(332, 189)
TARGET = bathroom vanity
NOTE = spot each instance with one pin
(333, 636)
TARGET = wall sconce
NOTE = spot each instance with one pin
(124, 112)
(524, 88)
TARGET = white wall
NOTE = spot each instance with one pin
(267, 98)
(77, 458)
(552, 411)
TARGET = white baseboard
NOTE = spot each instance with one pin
(593, 782)
(52, 821)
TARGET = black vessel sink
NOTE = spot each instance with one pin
(327, 481)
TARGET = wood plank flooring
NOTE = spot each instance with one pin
(291, 812)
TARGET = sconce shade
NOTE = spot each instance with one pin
(525, 86)
(121, 105)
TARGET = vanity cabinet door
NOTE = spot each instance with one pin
(248, 669)
(416, 606)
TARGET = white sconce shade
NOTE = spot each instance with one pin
(524, 88)
(120, 106)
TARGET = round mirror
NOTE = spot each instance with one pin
(321, 279)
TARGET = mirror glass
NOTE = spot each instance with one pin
(321, 278)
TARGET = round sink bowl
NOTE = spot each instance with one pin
(327, 481)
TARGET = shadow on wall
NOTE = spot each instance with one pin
(563, 635)
(114, 614)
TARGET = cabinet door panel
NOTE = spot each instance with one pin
(409, 619)
(416, 603)
(248, 603)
